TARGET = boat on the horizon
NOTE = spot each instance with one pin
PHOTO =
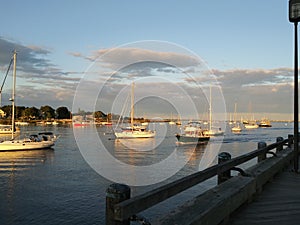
(265, 123)
(212, 131)
(192, 134)
(134, 130)
(41, 140)
(236, 128)
(251, 125)
(7, 129)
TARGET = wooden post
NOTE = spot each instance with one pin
(291, 140)
(279, 148)
(261, 145)
(115, 194)
(223, 157)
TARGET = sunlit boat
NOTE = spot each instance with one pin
(236, 129)
(251, 125)
(192, 134)
(134, 130)
(265, 123)
(7, 129)
(36, 141)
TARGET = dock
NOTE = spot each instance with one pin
(278, 203)
(266, 193)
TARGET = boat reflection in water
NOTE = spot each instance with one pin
(13, 161)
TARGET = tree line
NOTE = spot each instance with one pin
(32, 113)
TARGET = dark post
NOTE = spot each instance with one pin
(261, 145)
(280, 147)
(296, 119)
(291, 140)
(223, 157)
(115, 194)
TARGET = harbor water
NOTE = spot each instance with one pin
(59, 186)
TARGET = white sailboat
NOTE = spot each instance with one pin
(36, 141)
(236, 128)
(134, 130)
(212, 131)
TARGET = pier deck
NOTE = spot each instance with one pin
(279, 203)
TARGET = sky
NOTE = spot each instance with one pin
(85, 54)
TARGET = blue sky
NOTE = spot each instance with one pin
(248, 45)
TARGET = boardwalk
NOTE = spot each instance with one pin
(279, 203)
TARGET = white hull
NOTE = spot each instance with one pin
(212, 133)
(236, 129)
(135, 134)
(24, 145)
(251, 126)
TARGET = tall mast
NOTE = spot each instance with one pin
(210, 109)
(132, 105)
(13, 95)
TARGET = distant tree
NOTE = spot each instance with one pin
(47, 112)
(20, 111)
(31, 112)
(99, 115)
(63, 113)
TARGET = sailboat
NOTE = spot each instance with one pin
(41, 140)
(236, 128)
(212, 132)
(134, 130)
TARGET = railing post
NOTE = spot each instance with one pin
(115, 194)
(280, 147)
(261, 145)
(223, 157)
(291, 140)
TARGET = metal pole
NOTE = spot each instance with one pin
(296, 119)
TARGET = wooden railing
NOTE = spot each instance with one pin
(120, 208)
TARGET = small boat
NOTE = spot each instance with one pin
(36, 141)
(251, 125)
(7, 129)
(265, 123)
(212, 131)
(193, 134)
(236, 129)
(134, 130)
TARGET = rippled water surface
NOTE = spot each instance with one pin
(57, 186)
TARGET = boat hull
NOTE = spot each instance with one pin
(135, 134)
(24, 145)
(185, 139)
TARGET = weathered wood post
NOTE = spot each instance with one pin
(115, 194)
(223, 157)
(279, 148)
(291, 140)
(261, 145)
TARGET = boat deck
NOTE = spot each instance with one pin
(279, 203)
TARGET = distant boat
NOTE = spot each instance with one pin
(35, 141)
(212, 131)
(265, 123)
(236, 128)
(134, 130)
(192, 134)
(8, 129)
(251, 125)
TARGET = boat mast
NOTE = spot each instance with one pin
(210, 110)
(132, 107)
(13, 95)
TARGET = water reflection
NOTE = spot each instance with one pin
(12, 161)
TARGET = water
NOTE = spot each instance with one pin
(59, 187)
